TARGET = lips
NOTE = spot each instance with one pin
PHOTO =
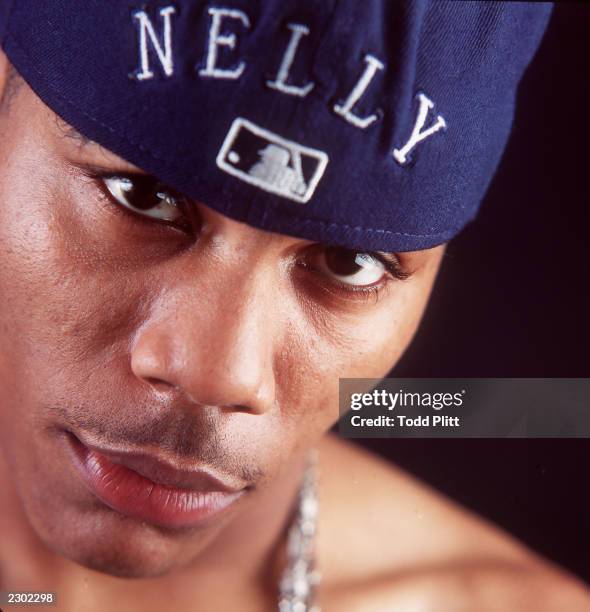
(142, 486)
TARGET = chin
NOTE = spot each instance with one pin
(133, 552)
(107, 542)
(123, 565)
(126, 567)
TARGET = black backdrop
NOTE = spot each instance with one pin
(513, 300)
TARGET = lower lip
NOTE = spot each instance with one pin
(133, 495)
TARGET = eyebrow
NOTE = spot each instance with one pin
(68, 131)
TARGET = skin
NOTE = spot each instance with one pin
(222, 345)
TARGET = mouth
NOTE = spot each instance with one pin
(143, 486)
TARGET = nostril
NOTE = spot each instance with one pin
(237, 408)
(158, 384)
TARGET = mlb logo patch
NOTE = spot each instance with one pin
(268, 161)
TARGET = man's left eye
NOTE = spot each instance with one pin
(350, 267)
(145, 196)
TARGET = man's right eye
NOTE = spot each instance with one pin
(144, 195)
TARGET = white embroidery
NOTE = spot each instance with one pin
(146, 29)
(266, 160)
(426, 104)
(217, 40)
(345, 109)
(298, 31)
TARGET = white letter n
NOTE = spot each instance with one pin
(163, 51)
(401, 155)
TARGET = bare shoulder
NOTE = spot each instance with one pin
(481, 587)
(392, 520)
(387, 541)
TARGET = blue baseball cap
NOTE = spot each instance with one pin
(373, 125)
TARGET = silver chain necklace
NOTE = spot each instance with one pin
(299, 581)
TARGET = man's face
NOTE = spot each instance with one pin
(197, 339)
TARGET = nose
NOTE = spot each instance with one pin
(215, 346)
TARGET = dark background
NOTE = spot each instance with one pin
(513, 300)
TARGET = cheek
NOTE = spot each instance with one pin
(321, 347)
(64, 313)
